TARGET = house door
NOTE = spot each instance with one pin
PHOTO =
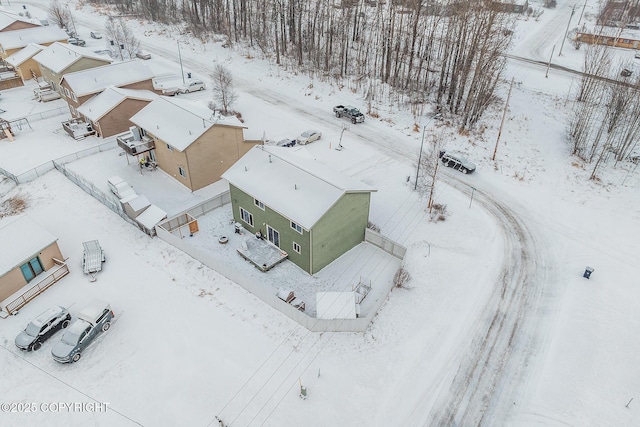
(273, 236)
(31, 269)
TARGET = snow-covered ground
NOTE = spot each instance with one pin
(188, 344)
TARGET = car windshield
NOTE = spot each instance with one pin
(70, 337)
(307, 134)
(32, 329)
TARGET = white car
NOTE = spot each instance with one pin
(95, 35)
(308, 136)
(193, 86)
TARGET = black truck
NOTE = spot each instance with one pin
(351, 113)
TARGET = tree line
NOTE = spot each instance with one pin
(447, 53)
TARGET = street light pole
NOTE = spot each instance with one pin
(573, 10)
(180, 57)
(424, 129)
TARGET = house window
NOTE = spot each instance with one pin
(296, 227)
(296, 247)
(182, 172)
(31, 269)
(246, 217)
(258, 203)
(73, 96)
(66, 91)
(170, 148)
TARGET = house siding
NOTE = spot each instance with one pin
(73, 105)
(169, 160)
(117, 120)
(340, 229)
(213, 153)
(24, 70)
(12, 281)
(278, 222)
(19, 25)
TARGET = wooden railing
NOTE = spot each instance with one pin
(58, 273)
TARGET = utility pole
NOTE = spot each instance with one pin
(504, 113)
(573, 10)
(433, 185)
(546, 76)
(582, 13)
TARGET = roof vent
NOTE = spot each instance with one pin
(269, 158)
(245, 169)
(295, 186)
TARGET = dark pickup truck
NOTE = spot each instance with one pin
(351, 113)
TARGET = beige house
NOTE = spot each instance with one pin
(189, 142)
(24, 64)
(27, 250)
(58, 59)
(10, 22)
(13, 41)
(81, 86)
(109, 111)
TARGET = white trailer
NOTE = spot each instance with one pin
(92, 258)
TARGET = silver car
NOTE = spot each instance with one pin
(42, 328)
(309, 136)
(92, 321)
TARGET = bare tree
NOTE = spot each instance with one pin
(122, 42)
(58, 14)
(223, 91)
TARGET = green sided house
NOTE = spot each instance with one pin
(313, 213)
(27, 250)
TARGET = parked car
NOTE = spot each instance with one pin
(92, 321)
(457, 162)
(143, 54)
(76, 41)
(95, 35)
(42, 328)
(193, 86)
(626, 72)
(308, 136)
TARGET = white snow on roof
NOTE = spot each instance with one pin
(299, 188)
(59, 56)
(21, 38)
(21, 239)
(95, 108)
(139, 202)
(151, 216)
(336, 305)
(179, 122)
(8, 18)
(24, 54)
(97, 79)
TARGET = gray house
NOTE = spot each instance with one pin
(313, 213)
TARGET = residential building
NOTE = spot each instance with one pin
(189, 142)
(59, 59)
(11, 22)
(311, 212)
(24, 64)
(13, 41)
(80, 86)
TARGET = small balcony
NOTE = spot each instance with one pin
(78, 129)
(132, 143)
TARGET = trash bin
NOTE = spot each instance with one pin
(188, 75)
(587, 272)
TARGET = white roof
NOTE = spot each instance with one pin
(21, 239)
(298, 187)
(24, 54)
(139, 202)
(59, 56)
(8, 18)
(95, 108)
(179, 122)
(151, 216)
(97, 79)
(336, 305)
(21, 38)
